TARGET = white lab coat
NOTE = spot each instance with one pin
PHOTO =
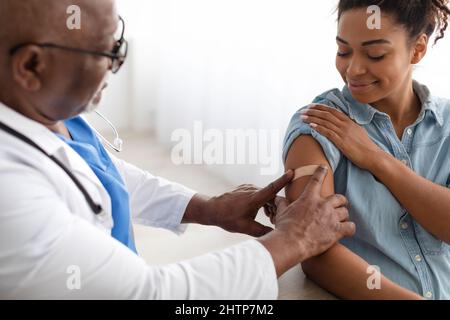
(52, 246)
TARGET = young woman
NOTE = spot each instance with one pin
(387, 141)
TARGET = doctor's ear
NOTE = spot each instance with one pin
(28, 65)
(419, 49)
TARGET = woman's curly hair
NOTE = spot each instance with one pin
(417, 16)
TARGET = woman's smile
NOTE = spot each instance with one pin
(361, 87)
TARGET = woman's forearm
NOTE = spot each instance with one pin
(345, 274)
(426, 201)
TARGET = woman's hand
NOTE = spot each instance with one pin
(348, 136)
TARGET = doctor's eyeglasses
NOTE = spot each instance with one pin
(117, 55)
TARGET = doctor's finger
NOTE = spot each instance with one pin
(257, 229)
(342, 214)
(337, 200)
(281, 204)
(269, 210)
(314, 185)
(268, 193)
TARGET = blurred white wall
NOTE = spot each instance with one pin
(232, 64)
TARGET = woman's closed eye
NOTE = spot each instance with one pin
(372, 57)
(376, 54)
(343, 54)
(376, 58)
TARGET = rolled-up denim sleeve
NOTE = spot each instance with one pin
(297, 128)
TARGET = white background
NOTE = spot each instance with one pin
(232, 64)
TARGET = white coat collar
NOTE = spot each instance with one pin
(33, 130)
(51, 144)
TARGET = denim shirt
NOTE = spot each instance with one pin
(387, 235)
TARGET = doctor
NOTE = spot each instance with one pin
(67, 204)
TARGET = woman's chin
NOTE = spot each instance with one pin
(364, 98)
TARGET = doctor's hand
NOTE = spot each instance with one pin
(308, 227)
(236, 211)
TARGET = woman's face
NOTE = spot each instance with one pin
(375, 64)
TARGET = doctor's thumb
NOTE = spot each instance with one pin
(257, 229)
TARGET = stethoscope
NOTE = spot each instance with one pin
(116, 145)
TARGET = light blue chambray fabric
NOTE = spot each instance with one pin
(387, 235)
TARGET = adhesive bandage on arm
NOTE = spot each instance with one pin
(304, 172)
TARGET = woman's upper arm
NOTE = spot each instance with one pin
(305, 151)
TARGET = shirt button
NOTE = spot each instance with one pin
(429, 295)
(409, 132)
(405, 162)
(404, 226)
(418, 258)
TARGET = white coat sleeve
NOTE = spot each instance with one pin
(48, 253)
(154, 201)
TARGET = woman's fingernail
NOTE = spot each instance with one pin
(313, 125)
(304, 117)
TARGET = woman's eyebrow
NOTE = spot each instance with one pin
(342, 40)
(378, 41)
(366, 43)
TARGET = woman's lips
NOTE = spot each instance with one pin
(361, 87)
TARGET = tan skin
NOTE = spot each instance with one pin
(389, 90)
(418, 195)
(50, 86)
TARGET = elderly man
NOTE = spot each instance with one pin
(66, 204)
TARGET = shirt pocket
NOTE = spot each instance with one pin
(429, 243)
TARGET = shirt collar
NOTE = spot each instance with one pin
(364, 113)
(428, 103)
(49, 142)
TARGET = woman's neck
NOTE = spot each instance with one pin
(402, 107)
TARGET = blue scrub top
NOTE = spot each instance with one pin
(88, 146)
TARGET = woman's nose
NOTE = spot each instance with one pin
(356, 68)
